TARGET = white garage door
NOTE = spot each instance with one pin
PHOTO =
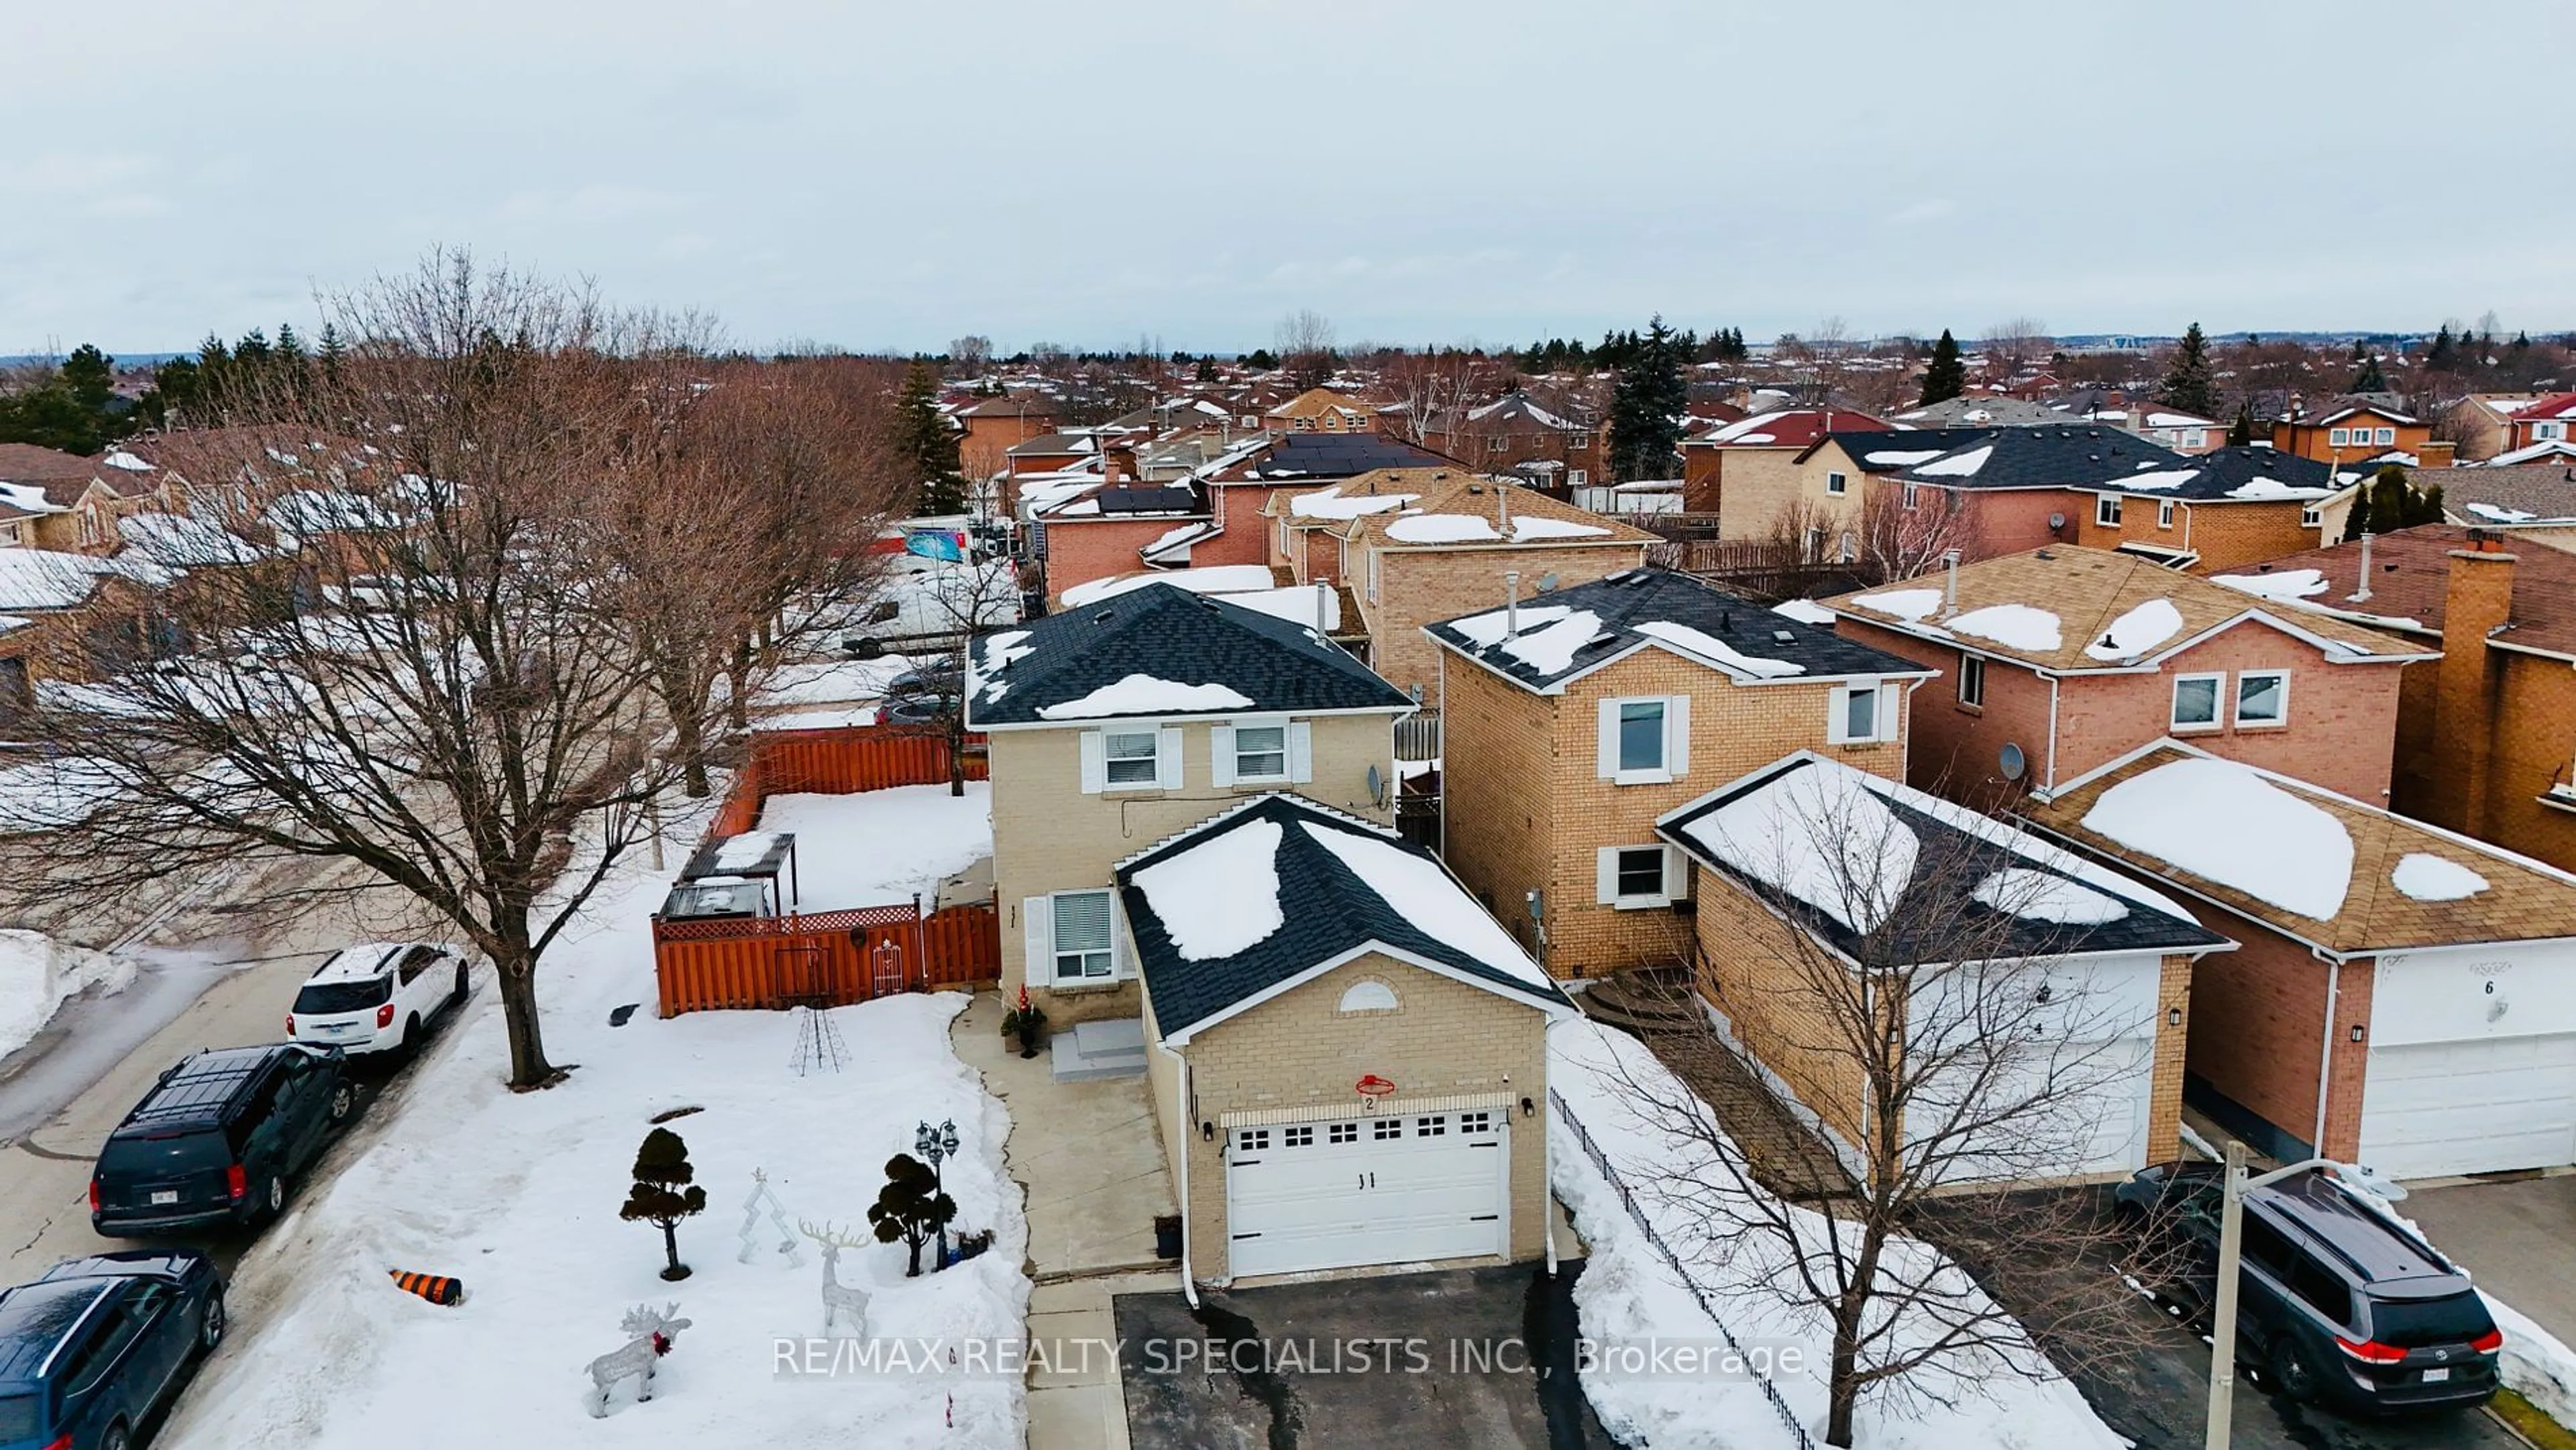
(2482, 1106)
(1383, 1190)
(2093, 1122)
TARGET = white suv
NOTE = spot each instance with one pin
(377, 997)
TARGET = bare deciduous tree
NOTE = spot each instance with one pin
(1305, 339)
(2013, 345)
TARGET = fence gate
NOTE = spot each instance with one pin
(885, 968)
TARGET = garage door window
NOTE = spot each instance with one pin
(1342, 1132)
(1297, 1137)
(1388, 1128)
(1470, 1124)
(1431, 1127)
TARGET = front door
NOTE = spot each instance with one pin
(1400, 1188)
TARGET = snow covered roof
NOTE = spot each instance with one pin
(1175, 542)
(2410, 580)
(1461, 509)
(1515, 405)
(1240, 907)
(1213, 579)
(1160, 651)
(1847, 854)
(1551, 639)
(2104, 604)
(2324, 868)
(2049, 456)
(1786, 428)
(2555, 406)
(2241, 474)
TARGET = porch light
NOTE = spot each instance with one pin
(2356, 1032)
(1207, 1131)
(1528, 1109)
(2173, 1016)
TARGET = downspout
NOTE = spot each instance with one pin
(1440, 674)
(2325, 1049)
(2052, 734)
(1547, 1170)
(1189, 1281)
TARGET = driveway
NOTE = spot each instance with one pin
(1427, 1361)
(2512, 1238)
(2157, 1393)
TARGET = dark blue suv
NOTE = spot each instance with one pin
(92, 1349)
(218, 1138)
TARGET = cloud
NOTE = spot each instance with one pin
(1931, 210)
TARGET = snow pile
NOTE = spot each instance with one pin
(2046, 896)
(1146, 695)
(1220, 896)
(1911, 604)
(38, 974)
(2157, 480)
(1487, 630)
(1296, 603)
(1821, 835)
(2223, 822)
(1718, 652)
(2534, 1364)
(1550, 648)
(1900, 457)
(2014, 626)
(2498, 514)
(2430, 878)
(1628, 1292)
(1805, 611)
(1441, 529)
(2134, 633)
(1963, 465)
(2257, 488)
(1530, 527)
(879, 847)
(1420, 892)
(518, 1195)
(2288, 586)
(1330, 504)
(1214, 579)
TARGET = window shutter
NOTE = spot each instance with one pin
(1677, 736)
(1301, 751)
(1121, 964)
(1167, 758)
(1890, 699)
(1605, 875)
(1095, 762)
(1677, 874)
(1037, 931)
(1608, 744)
(1220, 756)
(1838, 715)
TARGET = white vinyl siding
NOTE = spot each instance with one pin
(1861, 712)
(1636, 877)
(1644, 740)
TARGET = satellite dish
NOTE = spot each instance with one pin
(1547, 582)
(2011, 762)
(1376, 784)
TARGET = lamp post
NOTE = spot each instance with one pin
(2231, 1236)
(935, 1144)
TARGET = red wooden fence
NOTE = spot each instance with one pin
(827, 958)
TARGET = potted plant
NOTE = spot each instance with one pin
(1027, 1023)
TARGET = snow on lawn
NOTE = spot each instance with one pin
(2222, 822)
(518, 1196)
(38, 974)
(2014, 626)
(878, 847)
(1628, 1293)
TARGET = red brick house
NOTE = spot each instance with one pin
(993, 425)
(2060, 659)
(1514, 435)
(2547, 421)
(1745, 471)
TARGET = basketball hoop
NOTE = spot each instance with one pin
(1374, 1086)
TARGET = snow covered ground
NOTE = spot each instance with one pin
(878, 847)
(1627, 1294)
(518, 1196)
(38, 974)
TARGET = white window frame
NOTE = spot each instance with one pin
(1672, 878)
(1372, 575)
(1972, 680)
(1883, 712)
(2548, 432)
(1579, 441)
(2106, 510)
(2312, 516)
(2217, 703)
(2384, 437)
(1037, 924)
(1910, 490)
(2236, 701)
(2195, 438)
(1577, 477)
(1166, 757)
(1297, 752)
(1835, 483)
(2164, 513)
(2339, 437)
(1676, 739)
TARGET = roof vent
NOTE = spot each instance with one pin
(1783, 636)
(1103, 616)
(2042, 554)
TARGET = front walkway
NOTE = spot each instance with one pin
(1090, 1162)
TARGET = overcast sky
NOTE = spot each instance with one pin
(873, 175)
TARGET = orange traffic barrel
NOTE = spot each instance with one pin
(432, 1287)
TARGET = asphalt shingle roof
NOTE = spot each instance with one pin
(2079, 455)
(2535, 492)
(1326, 911)
(1894, 452)
(2240, 474)
(1621, 603)
(1167, 634)
(1327, 456)
(2410, 580)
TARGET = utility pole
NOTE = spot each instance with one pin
(2231, 1238)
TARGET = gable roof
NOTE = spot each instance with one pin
(2241, 473)
(2548, 409)
(1516, 407)
(1919, 869)
(1459, 510)
(1159, 652)
(1884, 452)
(2052, 607)
(2410, 581)
(1979, 410)
(1379, 490)
(2335, 410)
(1235, 909)
(1011, 405)
(1569, 633)
(2055, 455)
(2507, 497)
(1786, 428)
(1322, 457)
(2321, 867)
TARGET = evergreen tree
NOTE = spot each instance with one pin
(2357, 520)
(2240, 433)
(663, 1193)
(1946, 377)
(926, 444)
(2189, 383)
(2367, 378)
(910, 1208)
(90, 377)
(1646, 406)
(2444, 354)
(1261, 360)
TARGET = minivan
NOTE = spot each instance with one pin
(2336, 1299)
(92, 1349)
(218, 1138)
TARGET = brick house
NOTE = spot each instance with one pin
(2477, 423)
(2072, 946)
(2401, 996)
(992, 426)
(2218, 510)
(2542, 421)
(2008, 489)
(1239, 483)
(2485, 737)
(1445, 550)
(1833, 491)
(1514, 435)
(2348, 430)
(1322, 410)
(1115, 725)
(1108, 530)
(2525, 503)
(2063, 658)
(1347, 1056)
(55, 500)
(1572, 721)
(1746, 472)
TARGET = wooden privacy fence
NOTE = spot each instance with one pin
(842, 761)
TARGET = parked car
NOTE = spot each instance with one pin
(938, 677)
(931, 600)
(91, 1349)
(218, 1138)
(920, 710)
(2341, 1303)
(378, 997)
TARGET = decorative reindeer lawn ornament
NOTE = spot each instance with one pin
(838, 1298)
(652, 1332)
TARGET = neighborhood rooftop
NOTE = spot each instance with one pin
(2053, 456)
(2409, 583)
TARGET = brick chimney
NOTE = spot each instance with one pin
(2477, 602)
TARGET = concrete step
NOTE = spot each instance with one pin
(1110, 1037)
(1069, 1063)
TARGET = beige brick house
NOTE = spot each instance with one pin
(2036, 964)
(1112, 726)
(1348, 1056)
(1575, 719)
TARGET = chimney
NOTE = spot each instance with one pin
(2361, 591)
(2477, 604)
(1511, 602)
(1502, 508)
(1949, 582)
